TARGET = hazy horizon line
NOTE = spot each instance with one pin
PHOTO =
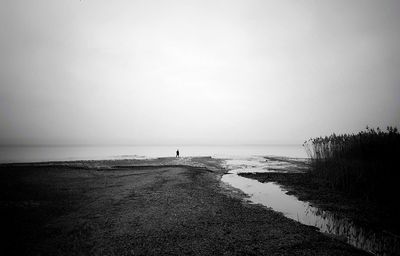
(150, 145)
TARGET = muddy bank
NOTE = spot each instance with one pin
(148, 207)
(310, 189)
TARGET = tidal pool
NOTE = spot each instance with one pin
(274, 196)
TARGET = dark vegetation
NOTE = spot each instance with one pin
(362, 165)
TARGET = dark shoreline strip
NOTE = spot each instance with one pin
(75, 165)
(117, 167)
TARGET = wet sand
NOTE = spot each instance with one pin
(163, 206)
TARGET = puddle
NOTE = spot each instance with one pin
(272, 195)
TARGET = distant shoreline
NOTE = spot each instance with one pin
(50, 154)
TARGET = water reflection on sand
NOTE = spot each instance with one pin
(273, 196)
(266, 164)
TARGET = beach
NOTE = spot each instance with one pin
(163, 206)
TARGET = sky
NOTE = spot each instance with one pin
(196, 72)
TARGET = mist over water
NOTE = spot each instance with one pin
(196, 72)
(19, 154)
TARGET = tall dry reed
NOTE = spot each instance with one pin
(363, 165)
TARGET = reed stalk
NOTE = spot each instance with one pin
(363, 165)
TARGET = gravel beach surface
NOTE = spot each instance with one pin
(163, 206)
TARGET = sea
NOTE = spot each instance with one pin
(24, 154)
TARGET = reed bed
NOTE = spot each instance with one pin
(363, 165)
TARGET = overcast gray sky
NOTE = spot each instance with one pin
(196, 72)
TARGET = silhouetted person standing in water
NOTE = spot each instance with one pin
(177, 153)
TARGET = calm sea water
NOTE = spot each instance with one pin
(62, 153)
